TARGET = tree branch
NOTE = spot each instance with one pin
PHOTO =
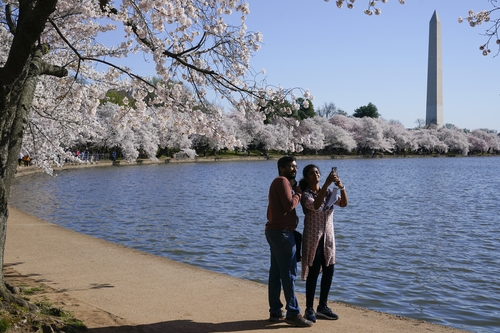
(10, 21)
(30, 25)
(53, 70)
(106, 8)
(84, 58)
(174, 55)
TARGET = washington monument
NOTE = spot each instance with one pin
(434, 111)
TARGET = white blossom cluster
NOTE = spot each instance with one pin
(478, 18)
(372, 9)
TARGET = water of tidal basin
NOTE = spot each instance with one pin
(419, 238)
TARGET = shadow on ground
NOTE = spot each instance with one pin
(188, 326)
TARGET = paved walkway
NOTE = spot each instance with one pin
(155, 294)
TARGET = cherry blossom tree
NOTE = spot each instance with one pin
(108, 130)
(249, 125)
(403, 138)
(338, 138)
(482, 141)
(455, 139)
(270, 139)
(347, 123)
(279, 135)
(477, 143)
(326, 135)
(370, 135)
(174, 134)
(227, 127)
(428, 140)
(312, 134)
(231, 128)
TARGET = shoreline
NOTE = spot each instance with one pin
(22, 170)
(112, 288)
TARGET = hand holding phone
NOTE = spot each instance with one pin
(335, 179)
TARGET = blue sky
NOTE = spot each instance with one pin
(351, 59)
(348, 58)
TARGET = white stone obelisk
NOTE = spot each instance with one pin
(434, 112)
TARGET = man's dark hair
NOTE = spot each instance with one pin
(282, 162)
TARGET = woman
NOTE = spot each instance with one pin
(318, 243)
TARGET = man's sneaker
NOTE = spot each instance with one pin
(326, 313)
(310, 315)
(298, 321)
(276, 317)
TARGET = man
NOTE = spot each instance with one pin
(284, 197)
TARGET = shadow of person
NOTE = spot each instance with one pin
(189, 326)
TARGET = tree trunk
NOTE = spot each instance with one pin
(15, 103)
(18, 79)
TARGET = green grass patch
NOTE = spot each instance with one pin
(31, 290)
(4, 325)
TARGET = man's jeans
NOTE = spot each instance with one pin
(283, 271)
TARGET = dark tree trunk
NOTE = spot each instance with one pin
(18, 80)
(15, 102)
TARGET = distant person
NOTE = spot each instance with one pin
(26, 159)
(318, 240)
(114, 155)
(20, 159)
(284, 197)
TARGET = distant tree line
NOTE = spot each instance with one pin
(324, 130)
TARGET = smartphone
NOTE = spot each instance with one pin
(334, 170)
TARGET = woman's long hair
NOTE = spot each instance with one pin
(303, 182)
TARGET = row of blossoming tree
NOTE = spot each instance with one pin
(314, 134)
